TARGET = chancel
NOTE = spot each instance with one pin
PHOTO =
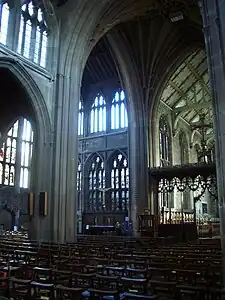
(112, 149)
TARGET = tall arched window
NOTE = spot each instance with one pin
(16, 155)
(183, 148)
(164, 143)
(98, 115)
(119, 119)
(120, 183)
(96, 185)
(32, 41)
(81, 119)
(79, 185)
(4, 21)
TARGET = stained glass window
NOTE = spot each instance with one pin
(96, 185)
(81, 119)
(120, 183)
(4, 21)
(16, 155)
(98, 115)
(164, 143)
(79, 185)
(33, 38)
(119, 117)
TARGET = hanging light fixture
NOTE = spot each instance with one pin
(176, 16)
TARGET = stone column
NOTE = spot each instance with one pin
(137, 96)
(213, 15)
(139, 183)
(65, 159)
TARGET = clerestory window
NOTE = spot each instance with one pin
(4, 22)
(33, 38)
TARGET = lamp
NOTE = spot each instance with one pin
(176, 16)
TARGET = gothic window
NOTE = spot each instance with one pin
(81, 119)
(98, 115)
(33, 39)
(79, 185)
(164, 143)
(119, 119)
(4, 21)
(96, 185)
(183, 148)
(120, 183)
(197, 153)
(16, 154)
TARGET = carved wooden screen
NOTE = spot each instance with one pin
(119, 183)
(164, 143)
(119, 119)
(96, 185)
(98, 115)
(16, 155)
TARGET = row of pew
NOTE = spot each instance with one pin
(110, 269)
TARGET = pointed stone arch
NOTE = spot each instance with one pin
(41, 124)
(113, 155)
(35, 97)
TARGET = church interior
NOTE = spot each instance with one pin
(112, 168)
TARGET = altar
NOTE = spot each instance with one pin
(100, 230)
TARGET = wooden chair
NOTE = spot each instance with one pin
(42, 275)
(4, 284)
(131, 296)
(83, 280)
(134, 285)
(103, 294)
(40, 290)
(164, 289)
(61, 277)
(66, 293)
(20, 289)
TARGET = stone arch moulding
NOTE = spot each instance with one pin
(90, 158)
(193, 135)
(114, 154)
(37, 101)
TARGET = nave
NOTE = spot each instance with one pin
(111, 268)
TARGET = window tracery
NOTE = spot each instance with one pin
(119, 119)
(120, 183)
(105, 186)
(81, 119)
(32, 42)
(164, 143)
(98, 115)
(32, 34)
(16, 155)
(96, 185)
(79, 184)
(4, 22)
